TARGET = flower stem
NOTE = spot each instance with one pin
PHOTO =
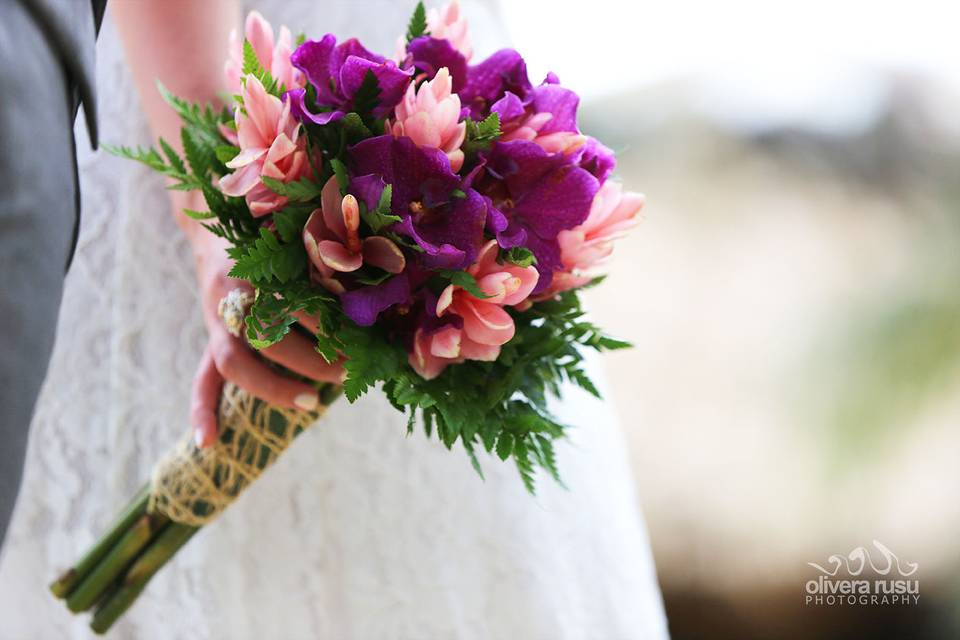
(163, 548)
(66, 583)
(117, 559)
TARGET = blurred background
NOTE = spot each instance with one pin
(792, 293)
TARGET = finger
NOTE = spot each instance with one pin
(296, 352)
(207, 385)
(238, 364)
(310, 322)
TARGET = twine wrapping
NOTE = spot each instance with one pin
(193, 486)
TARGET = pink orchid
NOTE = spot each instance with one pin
(528, 128)
(430, 117)
(447, 23)
(274, 56)
(332, 240)
(585, 249)
(486, 325)
(270, 146)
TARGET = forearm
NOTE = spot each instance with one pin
(183, 45)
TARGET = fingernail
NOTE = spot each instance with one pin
(306, 401)
(198, 438)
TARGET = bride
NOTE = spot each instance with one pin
(368, 533)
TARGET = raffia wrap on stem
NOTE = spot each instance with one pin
(193, 486)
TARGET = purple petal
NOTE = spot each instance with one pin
(429, 322)
(596, 158)
(551, 78)
(521, 164)
(313, 57)
(435, 256)
(486, 82)
(368, 189)
(560, 201)
(547, 252)
(509, 107)
(391, 80)
(416, 173)
(298, 109)
(431, 54)
(352, 47)
(365, 304)
(562, 103)
(513, 236)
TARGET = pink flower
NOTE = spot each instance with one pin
(270, 146)
(273, 56)
(486, 325)
(585, 249)
(528, 128)
(447, 23)
(332, 240)
(429, 116)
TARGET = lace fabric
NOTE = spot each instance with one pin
(359, 531)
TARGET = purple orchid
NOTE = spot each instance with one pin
(337, 72)
(363, 305)
(431, 54)
(534, 195)
(488, 81)
(444, 220)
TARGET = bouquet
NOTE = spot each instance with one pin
(437, 217)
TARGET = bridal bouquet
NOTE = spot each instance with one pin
(437, 217)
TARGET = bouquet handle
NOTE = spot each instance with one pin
(188, 489)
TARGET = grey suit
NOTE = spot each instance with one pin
(46, 70)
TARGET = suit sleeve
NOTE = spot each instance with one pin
(38, 214)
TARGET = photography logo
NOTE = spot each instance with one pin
(854, 579)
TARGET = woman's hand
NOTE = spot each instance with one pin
(228, 357)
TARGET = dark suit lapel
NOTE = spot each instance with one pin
(72, 26)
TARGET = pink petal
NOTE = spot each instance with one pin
(245, 157)
(260, 34)
(239, 183)
(475, 351)
(445, 299)
(422, 130)
(528, 278)
(485, 323)
(446, 343)
(383, 253)
(330, 202)
(423, 362)
(338, 257)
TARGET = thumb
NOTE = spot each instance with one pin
(207, 385)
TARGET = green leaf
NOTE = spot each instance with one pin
(343, 177)
(380, 217)
(520, 256)
(505, 445)
(291, 220)
(200, 156)
(465, 281)
(253, 66)
(226, 152)
(300, 190)
(272, 314)
(267, 259)
(418, 23)
(481, 135)
(611, 344)
(367, 97)
(172, 156)
(582, 380)
(198, 215)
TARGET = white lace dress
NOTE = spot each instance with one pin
(359, 532)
